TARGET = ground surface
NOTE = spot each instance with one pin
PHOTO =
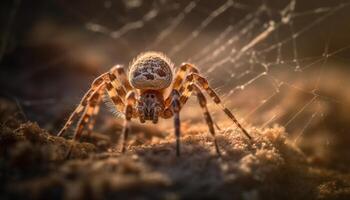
(33, 165)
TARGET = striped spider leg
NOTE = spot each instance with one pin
(89, 105)
(183, 86)
(130, 112)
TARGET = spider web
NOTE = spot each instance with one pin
(255, 53)
(243, 48)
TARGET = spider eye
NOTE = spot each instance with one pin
(152, 95)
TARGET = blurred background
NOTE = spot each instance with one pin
(273, 61)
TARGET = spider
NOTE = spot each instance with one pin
(144, 95)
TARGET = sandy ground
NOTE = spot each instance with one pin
(33, 166)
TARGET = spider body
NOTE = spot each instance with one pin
(143, 93)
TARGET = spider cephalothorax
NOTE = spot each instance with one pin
(143, 95)
(150, 105)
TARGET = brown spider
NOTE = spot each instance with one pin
(143, 95)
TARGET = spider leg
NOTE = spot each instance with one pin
(113, 95)
(119, 69)
(90, 105)
(129, 110)
(180, 77)
(87, 116)
(203, 83)
(93, 101)
(96, 84)
(175, 105)
(116, 92)
(174, 110)
(114, 89)
(203, 103)
(116, 84)
(93, 118)
(185, 94)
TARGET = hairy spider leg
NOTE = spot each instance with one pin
(83, 103)
(179, 78)
(115, 83)
(181, 73)
(130, 100)
(114, 90)
(203, 103)
(120, 71)
(93, 99)
(93, 117)
(203, 83)
(186, 92)
(175, 106)
(93, 102)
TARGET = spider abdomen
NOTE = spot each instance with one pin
(151, 70)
